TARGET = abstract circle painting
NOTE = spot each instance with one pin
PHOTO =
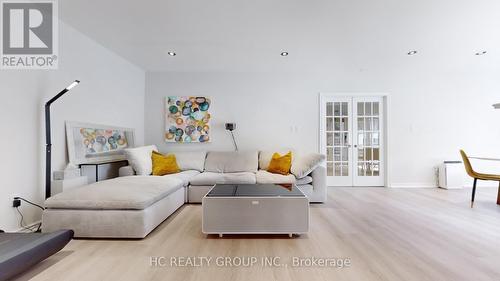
(187, 119)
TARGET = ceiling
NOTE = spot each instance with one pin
(249, 35)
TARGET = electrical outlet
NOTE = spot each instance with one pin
(16, 203)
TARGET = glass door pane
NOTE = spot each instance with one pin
(337, 138)
(368, 132)
(365, 116)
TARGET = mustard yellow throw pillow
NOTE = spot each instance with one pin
(164, 164)
(280, 164)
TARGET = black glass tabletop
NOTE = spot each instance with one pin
(255, 190)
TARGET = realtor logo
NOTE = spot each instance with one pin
(29, 35)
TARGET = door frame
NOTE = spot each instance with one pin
(386, 122)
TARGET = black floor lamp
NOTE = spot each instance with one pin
(48, 140)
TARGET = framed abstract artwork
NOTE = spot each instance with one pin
(187, 119)
(90, 143)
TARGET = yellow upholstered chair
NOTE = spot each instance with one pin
(479, 176)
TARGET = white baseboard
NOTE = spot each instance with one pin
(483, 184)
(433, 185)
(413, 185)
(399, 185)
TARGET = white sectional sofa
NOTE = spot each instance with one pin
(247, 167)
(131, 206)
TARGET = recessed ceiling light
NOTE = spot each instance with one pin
(411, 53)
(284, 54)
(481, 53)
(172, 54)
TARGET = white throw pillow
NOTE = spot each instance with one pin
(304, 164)
(140, 159)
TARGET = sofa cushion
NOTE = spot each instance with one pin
(190, 160)
(232, 161)
(185, 176)
(304, 164)
(140, 159)
(123, 193)
(263, 176)
(304, 180)
(211, 178)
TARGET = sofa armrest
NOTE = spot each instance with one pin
(126, 171)
(319, 185)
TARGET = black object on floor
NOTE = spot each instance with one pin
(21, 251)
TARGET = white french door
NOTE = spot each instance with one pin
(351, 137)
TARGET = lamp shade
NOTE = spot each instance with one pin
(72, 85)
(230, 126)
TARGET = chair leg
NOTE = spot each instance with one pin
(473, 193)
(498, 196)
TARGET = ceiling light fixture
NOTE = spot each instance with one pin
(284, 54)
(411, 53)
(481, 53)
(172, 54)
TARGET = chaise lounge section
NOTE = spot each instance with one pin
(125, 207)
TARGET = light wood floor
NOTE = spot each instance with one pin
(389, 234)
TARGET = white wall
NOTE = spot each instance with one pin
(111, 92)
(436, 107)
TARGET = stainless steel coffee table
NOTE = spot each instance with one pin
(255, 209)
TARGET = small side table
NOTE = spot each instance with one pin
(104, 170)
